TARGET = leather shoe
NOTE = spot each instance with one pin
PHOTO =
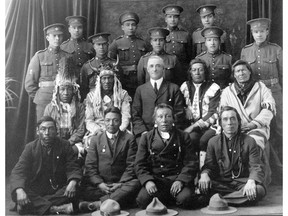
(65, 209)
(85, 206)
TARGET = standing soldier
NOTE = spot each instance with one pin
(77, 46)
(207, 16)
(43, 67)
(89, 71)
(179, 41)
(218, 62)
(265, 59)
(130, 48)
(172, 68)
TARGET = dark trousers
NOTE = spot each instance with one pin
(40, 108)
(182, 199)
(200, 138)
(124, 195)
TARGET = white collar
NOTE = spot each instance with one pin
(164, 135)
(159, 82)
(109, 135)
(197, 85)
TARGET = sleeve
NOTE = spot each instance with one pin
(141, 72)
(91, 163)
(137, 106)
(79, 122)
(83, 82)
(125, 111)
(211, 164)
(112, 53)
(90, 118)
(280, 66)
(213, 104)
(142, 164)
(32, 76)
(189, 48)
(129, 173)
(179, 111)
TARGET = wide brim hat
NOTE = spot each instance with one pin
(218, 205)
(110, 207)
(170, 212)
(98, 213)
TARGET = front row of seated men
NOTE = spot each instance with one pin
(48, 179)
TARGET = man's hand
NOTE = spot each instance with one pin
(189, 114)
(104, 188)
(22, 198)
(190, 128)
(250, 189)
(115, 186)
(204, 183)
(71, 189)
(247, 127)
(151, 187)
(144, 132)
(176, 188)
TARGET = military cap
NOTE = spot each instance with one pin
(212, 31)
(99, 37)
(76, 20)
(259, 23)
(56, 28)
(206, 9)
(158, 32)
(172, 9)
(128, 16)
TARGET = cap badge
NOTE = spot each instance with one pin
(56, 28)
(204, 10)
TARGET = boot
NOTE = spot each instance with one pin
(202, 156)
(85, 206)
(65, 209)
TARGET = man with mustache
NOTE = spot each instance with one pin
(217, 61)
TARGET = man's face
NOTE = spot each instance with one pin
(155, 68)
(212, 44)
(208, 20)
(101, 49)
(157, 44)
(197, 73)
(54, 40)
(241, 74)
(76, 32)
(112, 122)
(47, 132)
(66, 93)
(107, 82)
(172, 20)
(260, 35)
(129, 27)
(164, 119)
(229, 123)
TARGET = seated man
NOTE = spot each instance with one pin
(44, 179)
(166, 163)
(108, 92)
(110, 164)
(66, 109)
(157, 90)
(233, 166)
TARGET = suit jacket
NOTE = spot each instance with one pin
(103, 166)
(175, 159)
(145, 100)
(27, 169)
(219, 166)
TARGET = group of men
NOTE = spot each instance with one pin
(117, 110)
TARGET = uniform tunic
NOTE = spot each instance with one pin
(219, 66)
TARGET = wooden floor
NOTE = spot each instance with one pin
(272, 204)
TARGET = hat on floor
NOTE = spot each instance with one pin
(218, 205)
(110, 207)
(156, 208)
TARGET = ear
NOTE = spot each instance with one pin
(37, 131)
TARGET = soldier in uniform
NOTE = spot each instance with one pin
(218, 62)
(265, 59)
(89, 71)
(179, 41)
(171, 63)
(130, 48)
(207, 16)
(77, 45)
(43, 67)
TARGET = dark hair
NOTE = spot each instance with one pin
(46, 119)
(195, 61)
(229, 108)
(162, 106)
(242, 62)
(113, 109)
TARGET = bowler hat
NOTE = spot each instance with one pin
(218, 205)
(110, 207)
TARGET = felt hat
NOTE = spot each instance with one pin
(212, 31)
(218, 205)
(259, 23)
(158, 32)
(156, 208)
(128, 16)
(99, 37)
(172, 9)
(204, 10)
(110, 207)
(56, 28)
(76, 20)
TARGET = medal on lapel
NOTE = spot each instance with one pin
(104, 149)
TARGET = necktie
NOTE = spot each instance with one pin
(155, 87)
(195, 105)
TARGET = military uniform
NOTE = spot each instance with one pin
(129, 49)
(42, 70)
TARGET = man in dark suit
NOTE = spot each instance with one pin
(157, 90)
(110, 164)
(233, 166)
(45, 178)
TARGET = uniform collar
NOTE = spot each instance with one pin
(76, 40)
(173, 29)
(215, 54)
(104, 58)
(261, 45)
(130, 37)
(161, 53)
(53, 50)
